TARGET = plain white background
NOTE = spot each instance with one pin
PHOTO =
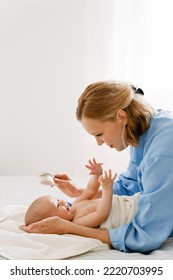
(50, 50)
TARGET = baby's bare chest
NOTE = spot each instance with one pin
(86, 207)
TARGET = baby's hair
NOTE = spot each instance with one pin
(34, 212)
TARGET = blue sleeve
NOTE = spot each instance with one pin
(127, 183)
(153, 222)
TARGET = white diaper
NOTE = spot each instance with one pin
(122, 212)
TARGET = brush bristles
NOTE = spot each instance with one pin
(46, 179)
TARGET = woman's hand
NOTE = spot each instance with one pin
(56, 225)
(66, 185)
(52, 225)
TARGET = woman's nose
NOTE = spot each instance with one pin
(99, 141)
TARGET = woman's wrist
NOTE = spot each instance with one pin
(97, 233)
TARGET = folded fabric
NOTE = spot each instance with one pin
(122, 211)
(16, 244)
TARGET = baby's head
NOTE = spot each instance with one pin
(48, 206)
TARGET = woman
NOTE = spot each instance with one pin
(117, 114)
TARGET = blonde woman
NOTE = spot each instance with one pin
(117, 114)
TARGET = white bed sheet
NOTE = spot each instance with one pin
(24, 189)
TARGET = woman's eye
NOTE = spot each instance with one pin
(98, 135)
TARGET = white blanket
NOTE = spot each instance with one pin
(16, 244)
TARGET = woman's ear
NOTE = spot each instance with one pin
(122, 116)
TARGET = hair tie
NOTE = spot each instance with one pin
(137, 90)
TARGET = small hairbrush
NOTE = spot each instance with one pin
(46, 178)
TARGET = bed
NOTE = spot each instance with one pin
(16, 194)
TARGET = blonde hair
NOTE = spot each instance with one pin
(102, 100)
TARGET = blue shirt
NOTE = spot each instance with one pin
(150, 172)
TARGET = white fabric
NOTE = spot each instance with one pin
(16, 244)
(122, 211)
(22, 190)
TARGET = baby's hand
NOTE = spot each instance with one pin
(94, 167)
(106, 180)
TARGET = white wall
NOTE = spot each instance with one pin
(45, 64)
(159, 53)
(50, 50)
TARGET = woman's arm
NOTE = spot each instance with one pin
(56, 225)
(67, 186)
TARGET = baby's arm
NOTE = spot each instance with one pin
(95, 219)
(106, 181)
(93, 185)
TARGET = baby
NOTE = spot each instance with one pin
(109, 211)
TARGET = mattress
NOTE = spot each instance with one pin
(22, 190)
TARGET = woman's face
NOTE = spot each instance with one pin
(112, 133)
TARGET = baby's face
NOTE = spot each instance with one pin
(60, 208)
